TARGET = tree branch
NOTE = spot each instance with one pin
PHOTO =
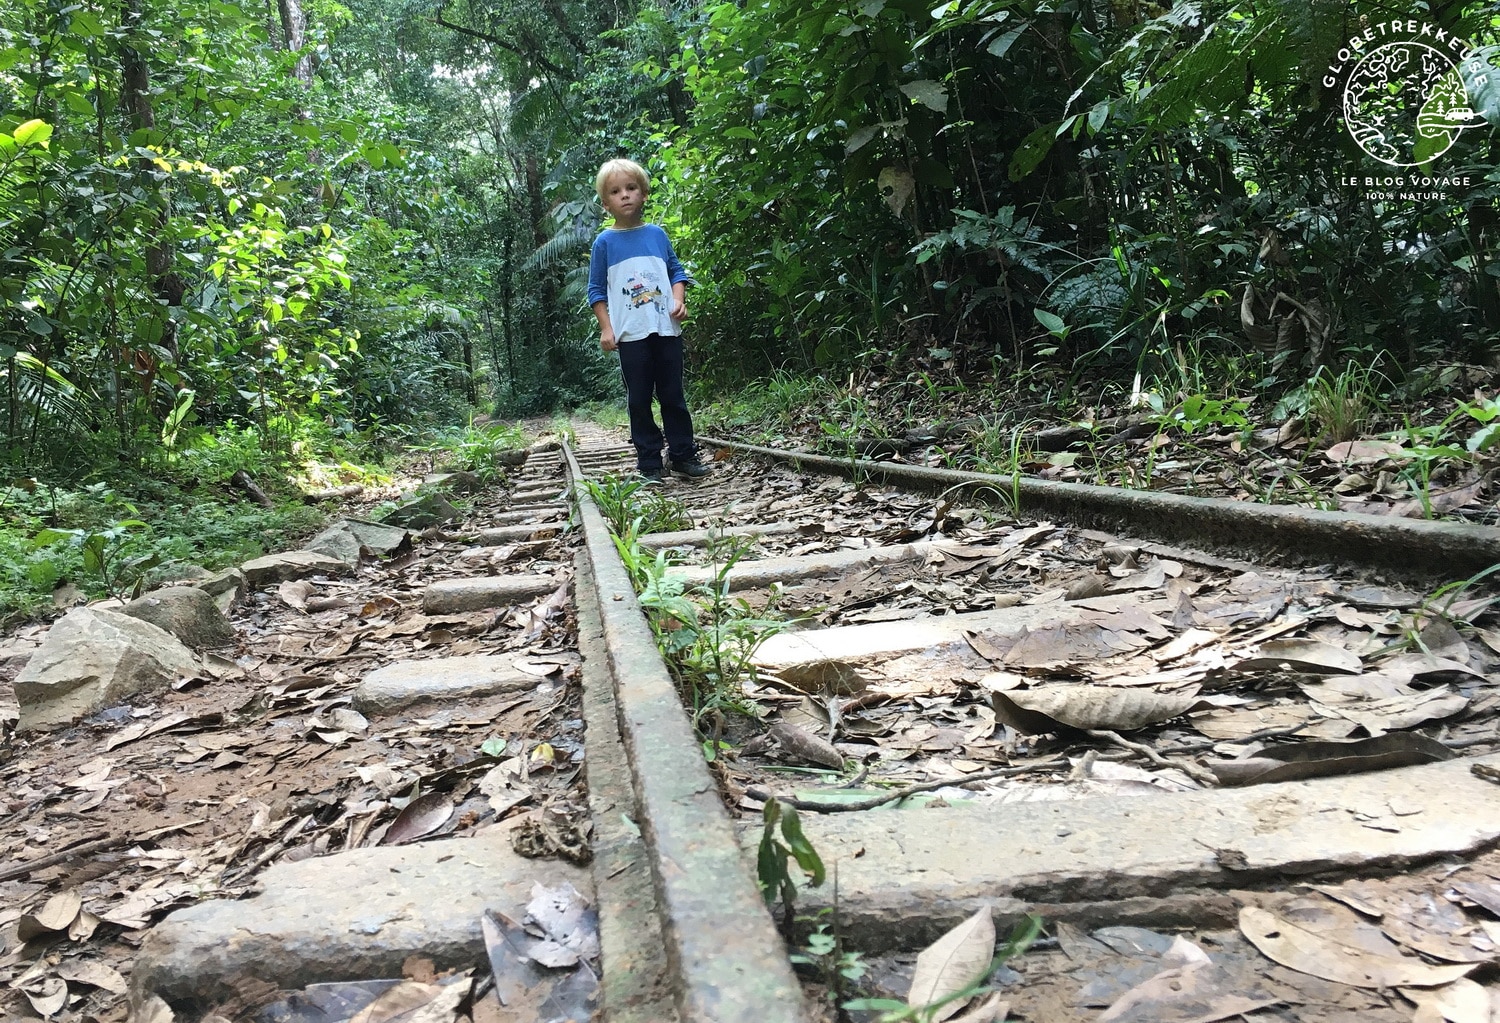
(504, 44)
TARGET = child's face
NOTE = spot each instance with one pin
(623, 197)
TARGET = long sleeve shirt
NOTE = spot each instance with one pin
(633, 271)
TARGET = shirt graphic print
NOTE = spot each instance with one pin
(633, 272)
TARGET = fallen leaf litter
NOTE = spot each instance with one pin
(265, 758)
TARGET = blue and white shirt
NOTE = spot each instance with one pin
(633, 271)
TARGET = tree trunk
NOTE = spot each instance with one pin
(294, 36)
(166, 286)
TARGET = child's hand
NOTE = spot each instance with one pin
(679, 309)
(607, 340)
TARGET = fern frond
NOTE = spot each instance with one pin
(567, 241)
(48, 393)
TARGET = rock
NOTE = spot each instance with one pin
(455, 596)
(422, 512)
(93, 658)
(355, 915)
(347, 539)
(404, 683)
(12, 660)
(289, 565)
(460, 481)
(227, 588)
(178, 572)
(190, 614)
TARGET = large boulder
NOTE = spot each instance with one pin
(94, 658)
(187, 612)
(423, 512)
(227, 588)
(455, 481)
(289, 565)
(348, 539)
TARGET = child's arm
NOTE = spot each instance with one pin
(606, 332)
(598, 275)
(679, 306)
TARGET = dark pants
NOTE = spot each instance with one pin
(652, 366)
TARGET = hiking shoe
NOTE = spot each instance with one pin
(693, 469)
(651, 477)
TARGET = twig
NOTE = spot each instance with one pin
(1476, 740)
(1187, 767)
(891, 797)
(1489, 772)
(266, 855)
(1264, 733)
(86, 849)
(1084, 766)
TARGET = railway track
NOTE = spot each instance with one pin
(948, 641)
(975, 702)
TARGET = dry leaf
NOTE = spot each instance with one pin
(83, 927)
(295, 592)
(94, 974)
(1363, 451)
(824, 676)
(1322, 759)
(501, 785)
(1196, 992)
(143, 729)
(153, 1010)
(956, 961)
(1305, 655)
(422, 817)
(1463, 1001)
(406, 997)
(47, 996)
(1045, 708)
(994, 1009)
(1325, 944)
(803, 745)
(571, 928)
(57, 915)
(1238, 723)
(1380, 716)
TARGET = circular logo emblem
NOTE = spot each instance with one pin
(1405, 103)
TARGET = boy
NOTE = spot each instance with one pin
(636, 288)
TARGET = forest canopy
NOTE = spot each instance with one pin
(250, 216)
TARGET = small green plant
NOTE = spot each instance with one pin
(1439, 604)
(1003, 451)
(1487, 412)
(105, 554)
(1340, 405)
(709, 648)
(563, 427)
(477, 449)
(775, 856)
(1056, 329)
(609, 414)
(824, 953)
(1425, 455)
(628, 504)
(1197, 412)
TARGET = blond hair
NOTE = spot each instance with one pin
(629, 168)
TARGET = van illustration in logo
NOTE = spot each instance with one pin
(640, 292)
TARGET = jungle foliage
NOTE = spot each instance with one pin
(234, 215)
